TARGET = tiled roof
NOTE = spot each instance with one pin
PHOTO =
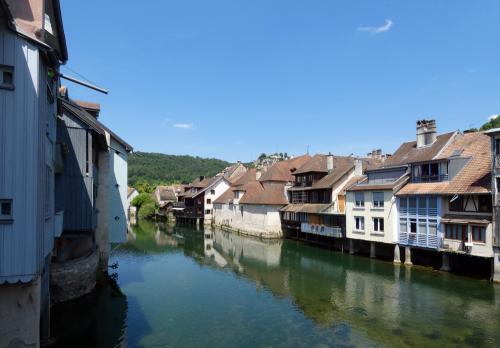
(409, 153)
(249, 175)
(88, 105)
(256, 193)
(306, 208)
(166, 193)
(316, 164)
(475, 177)
(341, 167)
(225, 198)
(281, 171)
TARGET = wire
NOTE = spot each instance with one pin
(80, 75)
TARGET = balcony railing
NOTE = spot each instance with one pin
(497, 161)
(429, 178)
(419, 240)
(322, 230)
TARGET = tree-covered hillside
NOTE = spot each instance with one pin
(157, 168)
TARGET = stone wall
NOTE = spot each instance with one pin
(74, 278)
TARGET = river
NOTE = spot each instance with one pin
(177, 286)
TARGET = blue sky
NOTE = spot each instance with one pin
(231, 79)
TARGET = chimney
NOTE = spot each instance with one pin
(426, 132)
(358, 167)
(202, 177)
(329, 163)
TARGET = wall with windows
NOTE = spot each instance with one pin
(471, 238)
(211, 194)
(371, 216)
(419, 218)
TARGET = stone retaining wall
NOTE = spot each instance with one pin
(74, 278)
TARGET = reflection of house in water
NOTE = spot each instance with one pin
(244, 248)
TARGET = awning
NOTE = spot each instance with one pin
(180, 209)
(466, 219)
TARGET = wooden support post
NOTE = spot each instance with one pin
(408, 256)
(397, 256)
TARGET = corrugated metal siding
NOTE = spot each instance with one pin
(117, 194)
(75, 184)
(19, 152)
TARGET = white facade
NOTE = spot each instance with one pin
(369, 213)
(252, 219)
(213, 192)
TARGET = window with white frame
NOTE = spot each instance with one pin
(212, 192)
(359, 223)
(378, 199)
(6, 210)
(359, 198)
(378, 225)
(209, 201)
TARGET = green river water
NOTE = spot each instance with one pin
(181, 287)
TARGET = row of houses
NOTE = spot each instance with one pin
(435, 197)
(63, 177)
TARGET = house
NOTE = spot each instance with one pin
(446, 205)
(33, 48)
(90, 194)
(317, 198)
(252, 205)
(196, 202)
(495, 189)
(165, 197)
(371, 209)
(233, 172)
(131, 194)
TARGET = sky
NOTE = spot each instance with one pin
(231, 79)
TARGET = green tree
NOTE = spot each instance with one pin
(492, 123)
(142, 199)
(147, 210)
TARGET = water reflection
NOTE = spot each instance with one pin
(188, 287)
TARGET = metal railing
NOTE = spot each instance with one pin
(497, 161)
(419, 240)
(429, 178)
(322, 230)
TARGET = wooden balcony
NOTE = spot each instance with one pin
(419, 240)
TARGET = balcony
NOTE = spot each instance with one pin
(419, 240)
(429, 178)
(497, 161)
(322, 230)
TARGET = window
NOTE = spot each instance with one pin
(236, 194)
(6, 210)
(456, 232)
(413, 225)
(6, 77)
(209, 201)
(457, 203)
(359, 223)
(484, 203)
(378, 199)
(479, 234)
(208, 211)
(212, 192)
(360, 199)
(378, 224)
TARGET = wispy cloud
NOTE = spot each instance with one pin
(183, 125)
(377, 30)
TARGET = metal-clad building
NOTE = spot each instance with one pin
(27, 137)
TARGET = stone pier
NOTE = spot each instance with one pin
(397, 256)
(496, 265)
(351, 246)
(373, 253)
(445, 265)
(408, 256)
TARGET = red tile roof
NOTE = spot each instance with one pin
(282, 171)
